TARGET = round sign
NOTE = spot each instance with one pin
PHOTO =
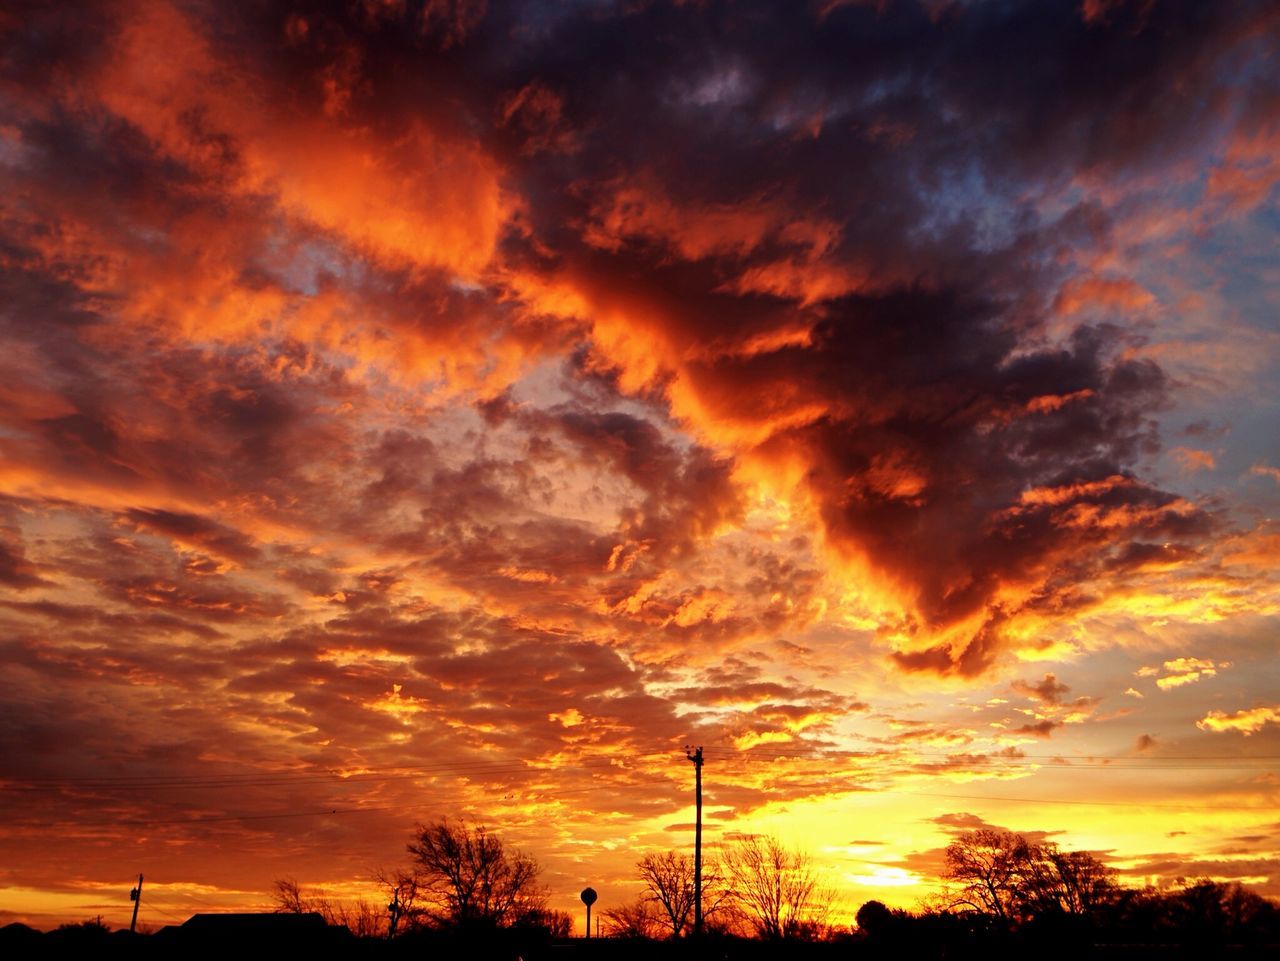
(588, 896)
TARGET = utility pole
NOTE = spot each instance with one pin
(136, 897)
(695, 755)
(393, 909)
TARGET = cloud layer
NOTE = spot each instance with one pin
(549, 386)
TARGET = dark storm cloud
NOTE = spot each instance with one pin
(209, 535)
(15, 570)
(963, 821)
(487, 523)
(1048, 691)
(1039, 728)
(822, 222)
(688, 492)
(938, 406)
(84, 621)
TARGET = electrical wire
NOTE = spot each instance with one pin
(529, 795)
(402, 772)
(508, 767)
(511, 765)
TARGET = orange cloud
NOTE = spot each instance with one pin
(1266, 470)
(420, 198)
(1107, 293)
(1249, 172)
(1061, 495)
(1047, 403)
(1184, 670)
(1246, 722)
(1192, 460)
(778, 250)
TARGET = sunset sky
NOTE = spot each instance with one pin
(412, 409)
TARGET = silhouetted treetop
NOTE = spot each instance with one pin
(1012, 879)
(469, 876)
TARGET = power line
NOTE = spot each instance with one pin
(403, 772)
(530, 796)
(151, 906)
(981, 759)
(511, 765)
(536, 796)
(1128, 804)
(604, 764)
(152, 822)
(783, 752)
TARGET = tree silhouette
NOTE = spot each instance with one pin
(549, 921)
(641, 918)
(989, 866)
(1003, 875)
(361, 918)
(469, 877)
(774, 887)
(1205, 912)
(1073, 882)
(669, 880)
(874, 919)
(401, 890)
(289, 899)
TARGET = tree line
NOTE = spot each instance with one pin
(756, 887)
(1002, 891)
(999, 889)
(465, 878)
(466, 891)
(461, 878)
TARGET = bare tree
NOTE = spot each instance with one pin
(468, 876)
(359, 917)
(1010, 878)
(400, 887)
(990, 867)
(288, 898)
(669, 880)
(1081, 884)
(776, 888)
(636, 919)
(557, 924)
